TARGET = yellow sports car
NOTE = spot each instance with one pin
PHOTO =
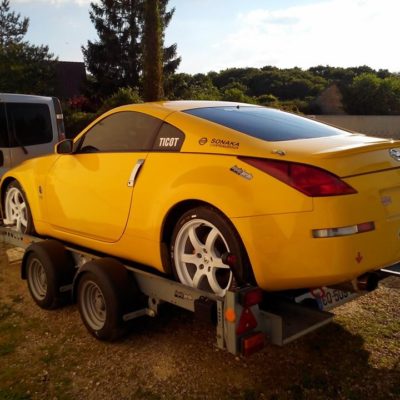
(215, 192)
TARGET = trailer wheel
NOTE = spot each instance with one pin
(47, 266)
(105, 292)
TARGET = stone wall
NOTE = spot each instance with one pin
(387, 126)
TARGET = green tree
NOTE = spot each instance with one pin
(29, 69)
(12, 27)
(152, 52)
(171, 60)
(371, 95)
(268, 100)
(192, 87)
(121, 97)
(237, 95)
(389, 94)
(116, 59)
(113, 60)
(24, 68)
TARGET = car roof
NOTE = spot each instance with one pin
(182, 105)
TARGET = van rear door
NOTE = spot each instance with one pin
(5, 162)
(31, 130)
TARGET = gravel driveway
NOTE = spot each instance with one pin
(49, 355)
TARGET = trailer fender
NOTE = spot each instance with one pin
(49, 269)
(55, 252)
(105, 291)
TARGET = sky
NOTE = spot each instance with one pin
(213, 35)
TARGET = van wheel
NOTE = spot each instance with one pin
(16, 209)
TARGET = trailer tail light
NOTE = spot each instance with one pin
(310, 180)
(247, 299)
(252, 343)
(251, 297)
(247, 322)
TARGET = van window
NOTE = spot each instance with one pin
(3, 127)
(29, 124)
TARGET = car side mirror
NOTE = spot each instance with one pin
(65, 146)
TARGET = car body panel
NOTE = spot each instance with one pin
(100, 207)
(286, 240)
(274, 221)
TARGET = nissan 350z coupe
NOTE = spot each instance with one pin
(214, 192)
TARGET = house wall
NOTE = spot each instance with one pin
(387, 126)
(71, 78)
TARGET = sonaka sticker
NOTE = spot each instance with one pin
(228, 144)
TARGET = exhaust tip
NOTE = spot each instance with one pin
(367, 282)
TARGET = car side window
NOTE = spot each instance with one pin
(169, 138)
(121, 132)
(29, 124)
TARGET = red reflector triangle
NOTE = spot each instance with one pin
(247, 322)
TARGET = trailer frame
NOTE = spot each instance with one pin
(244, 319)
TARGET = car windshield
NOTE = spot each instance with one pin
(265, 123)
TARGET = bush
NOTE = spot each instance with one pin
(76, 122)
(236, 95)
(123, 96)
(77, 117)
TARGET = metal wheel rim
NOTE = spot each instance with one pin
(198, 260)
(16, 210)
(37, 279)
(93, 305)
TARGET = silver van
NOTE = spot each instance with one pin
(29, 126)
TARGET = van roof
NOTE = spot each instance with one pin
(28, 98)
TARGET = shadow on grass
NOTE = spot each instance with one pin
(331, 363)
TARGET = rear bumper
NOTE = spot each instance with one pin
(284, 255)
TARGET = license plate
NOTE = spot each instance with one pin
(327, 298)
(334, 297)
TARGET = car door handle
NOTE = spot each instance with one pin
(134, 172)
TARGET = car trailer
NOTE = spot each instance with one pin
(109, 293)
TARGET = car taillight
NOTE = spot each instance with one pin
(312, 181)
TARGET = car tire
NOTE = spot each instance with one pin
(17, 212)
(48, 267)
(201, 241)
